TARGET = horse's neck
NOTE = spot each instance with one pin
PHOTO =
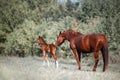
(69, 38)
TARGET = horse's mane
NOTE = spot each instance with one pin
(68, 34)
(72, 32)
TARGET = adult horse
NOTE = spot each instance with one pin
(47, 48)
(86, 43)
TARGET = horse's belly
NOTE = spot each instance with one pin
(83, 45)
(84, 49)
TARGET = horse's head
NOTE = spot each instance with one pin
(60, 39)
(66, 35)
(40, 40)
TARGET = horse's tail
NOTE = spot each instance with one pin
(105, 56)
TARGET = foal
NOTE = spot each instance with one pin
(47, 48)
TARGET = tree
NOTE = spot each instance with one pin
(109, 11)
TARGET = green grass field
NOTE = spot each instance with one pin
(31, 68)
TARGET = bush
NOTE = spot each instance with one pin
(21, 40)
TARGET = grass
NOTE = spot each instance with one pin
(31, 68)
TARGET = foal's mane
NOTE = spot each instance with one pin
(43, 41)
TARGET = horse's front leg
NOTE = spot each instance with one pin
(96, 56)
(78, 57)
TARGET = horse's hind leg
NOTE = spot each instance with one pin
(105, 55)
(96, 56)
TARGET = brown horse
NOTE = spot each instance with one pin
(86, 43)
(47, 48)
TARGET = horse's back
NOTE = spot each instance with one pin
(96, 37)
(87, 43)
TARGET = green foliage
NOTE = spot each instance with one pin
(10, 13)
(21, 39)
(49, 30)
(110, 12)
(22, 21)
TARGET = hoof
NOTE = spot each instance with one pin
(79, 68)
(103, 70)
(94, 70)
(56, 63)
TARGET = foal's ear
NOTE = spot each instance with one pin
(60, 32)
(39, 37)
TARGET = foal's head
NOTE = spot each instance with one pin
(40, 40)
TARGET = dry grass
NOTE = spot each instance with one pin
(31, 68)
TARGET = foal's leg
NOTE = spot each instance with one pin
(96, 56)
(43, 56)
(46, 58)
(55, 57)
(56, 60)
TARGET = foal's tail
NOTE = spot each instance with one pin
(105, 56)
